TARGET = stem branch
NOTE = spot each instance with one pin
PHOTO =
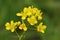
(17, 34)
(21, 36)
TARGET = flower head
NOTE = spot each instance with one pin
(29, 11)
(23, 15)
(41, 28)
(11, 26)
(32, 20)
(30, 14)
(23, 27)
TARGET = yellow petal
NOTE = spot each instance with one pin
(41, 24)
(25, 28)
(44, 26)
(20, 28)
(36, 22)
(29, 13)
(7, 26)
(42, 31)
(39, 17)
(25, 10)
(23, 18)
(18, 22)
(19, 14)
(12, 30)
(15, 23)
(32, 20)
(12, 22)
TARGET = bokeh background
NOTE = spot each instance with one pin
(51, 18)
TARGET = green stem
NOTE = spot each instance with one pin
(20, 38)
(17, 34)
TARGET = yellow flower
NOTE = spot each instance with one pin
(41, 28)
(34, 10)
(29, 11)
(32, 20)
(23, 27)
(11, 26)
(39, 14)
(23, 15)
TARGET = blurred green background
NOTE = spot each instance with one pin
(51, 18)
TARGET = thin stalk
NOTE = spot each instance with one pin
(22, 35)
(17, 34)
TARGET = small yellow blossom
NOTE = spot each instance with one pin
(39, 14)
(11, 26)
(27, 11)
(32, 20)
(41, 27)
(23, 15)
(34, 10)
(23, 27)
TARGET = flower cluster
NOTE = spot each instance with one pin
(30, 14)
(13, 25)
